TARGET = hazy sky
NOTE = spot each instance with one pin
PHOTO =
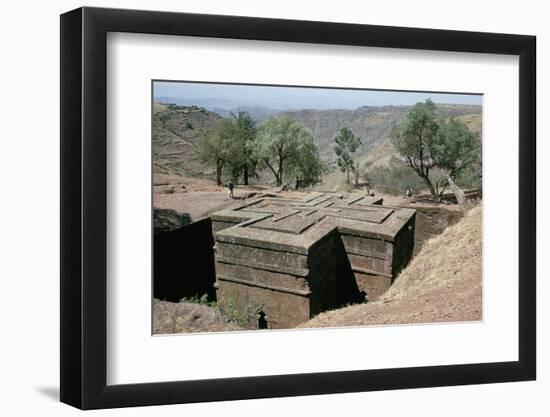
(283, 98)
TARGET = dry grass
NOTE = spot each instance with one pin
(379, 155)
(444, 259)
(158, 107)
(443, 283)
(473, 121)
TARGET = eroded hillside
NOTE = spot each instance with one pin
(176, 133)
(371, 123)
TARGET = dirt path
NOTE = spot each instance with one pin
(195, 197)
(199, 198)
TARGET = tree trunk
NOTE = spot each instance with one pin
(219, 173)
(273, 170)
(280, 175)
(459, 194)
(433, 192)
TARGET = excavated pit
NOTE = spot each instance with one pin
(280, 261)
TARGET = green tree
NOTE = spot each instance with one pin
(217, 146)
(346, 144)
(455, 147)
(245, 160)
(436, 150)
(305, 165)
(279, 139)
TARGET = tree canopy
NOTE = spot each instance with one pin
(245, 160)
(346, 144)
(235, 147)
(278, 145)
(455, 147)
(437, 150)
(305, 165)
(228, 146)
(217, 147)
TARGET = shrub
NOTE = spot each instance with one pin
(227, 308)
(164, 117)
(470, 177)
(395, 179)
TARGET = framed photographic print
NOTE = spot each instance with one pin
(256, 208)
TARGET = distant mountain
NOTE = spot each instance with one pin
(222, 107)
(257, 113)
(371, 123)
(207, 103)
(176, 130)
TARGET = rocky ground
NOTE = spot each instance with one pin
(188, 318)
(197, 198)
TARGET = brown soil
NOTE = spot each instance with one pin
(200, 197)
(188, 318)
(443, 283)
(193, 196)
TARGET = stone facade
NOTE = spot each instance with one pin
(432, 221)
(281, 261)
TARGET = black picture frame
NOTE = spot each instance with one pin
(84, 207)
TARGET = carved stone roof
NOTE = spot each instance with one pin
(294, 225)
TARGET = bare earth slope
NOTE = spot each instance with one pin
(443, 283)
(176, 133)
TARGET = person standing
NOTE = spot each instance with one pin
(231, 186)
(409, 194)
